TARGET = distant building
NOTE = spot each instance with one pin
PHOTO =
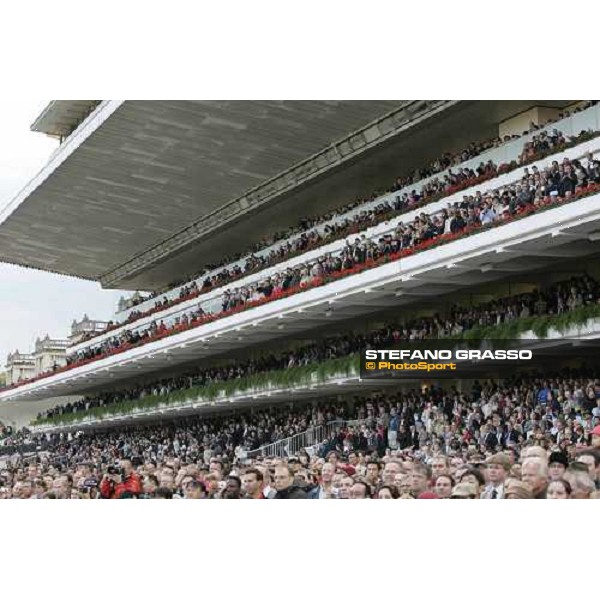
(48, 354)
(81, 330)
(19, 367)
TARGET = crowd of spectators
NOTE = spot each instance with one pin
(308, 237)
(534, 190)
(311, 238)
(537, 437)
(556, 299)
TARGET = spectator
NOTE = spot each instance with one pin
(535, 475)
(233, 488)
(558, 463)
(325, 488)
(361, 490)
(498, 469)
(164, 494)
(121, 483)
(388, 492)
(558, 489)
(419, 479)
(284, 484)
(591, 458)
(443, 486)
(444, 422)
(581, 483)
(464, 491)
(345, 487)
(439, 466)
(391, 470)
(195, 490)
(517, 490)
(595, 435)
(535, 190)
(372, 473)
(253, 484)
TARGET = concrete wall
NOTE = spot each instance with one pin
(520, 123)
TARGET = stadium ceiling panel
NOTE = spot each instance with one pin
(142, 191)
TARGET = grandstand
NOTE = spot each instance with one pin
(269, 241)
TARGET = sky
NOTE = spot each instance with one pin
(35, 303)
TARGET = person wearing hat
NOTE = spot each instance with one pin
(517, 490)
(464, 491)
(557, 465)
(348, 469)
(498, 469)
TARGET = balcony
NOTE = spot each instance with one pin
(343, 380)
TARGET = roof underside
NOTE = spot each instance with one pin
(61, 117)
(152, 167)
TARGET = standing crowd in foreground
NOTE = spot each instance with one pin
(536, 473)
(530, 438)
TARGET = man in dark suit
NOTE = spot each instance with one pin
(491, 439)
(284, 484)
(509, 435)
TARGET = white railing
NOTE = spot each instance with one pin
(572, 125)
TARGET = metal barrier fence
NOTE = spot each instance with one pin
(289, 446)
(310, 438)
